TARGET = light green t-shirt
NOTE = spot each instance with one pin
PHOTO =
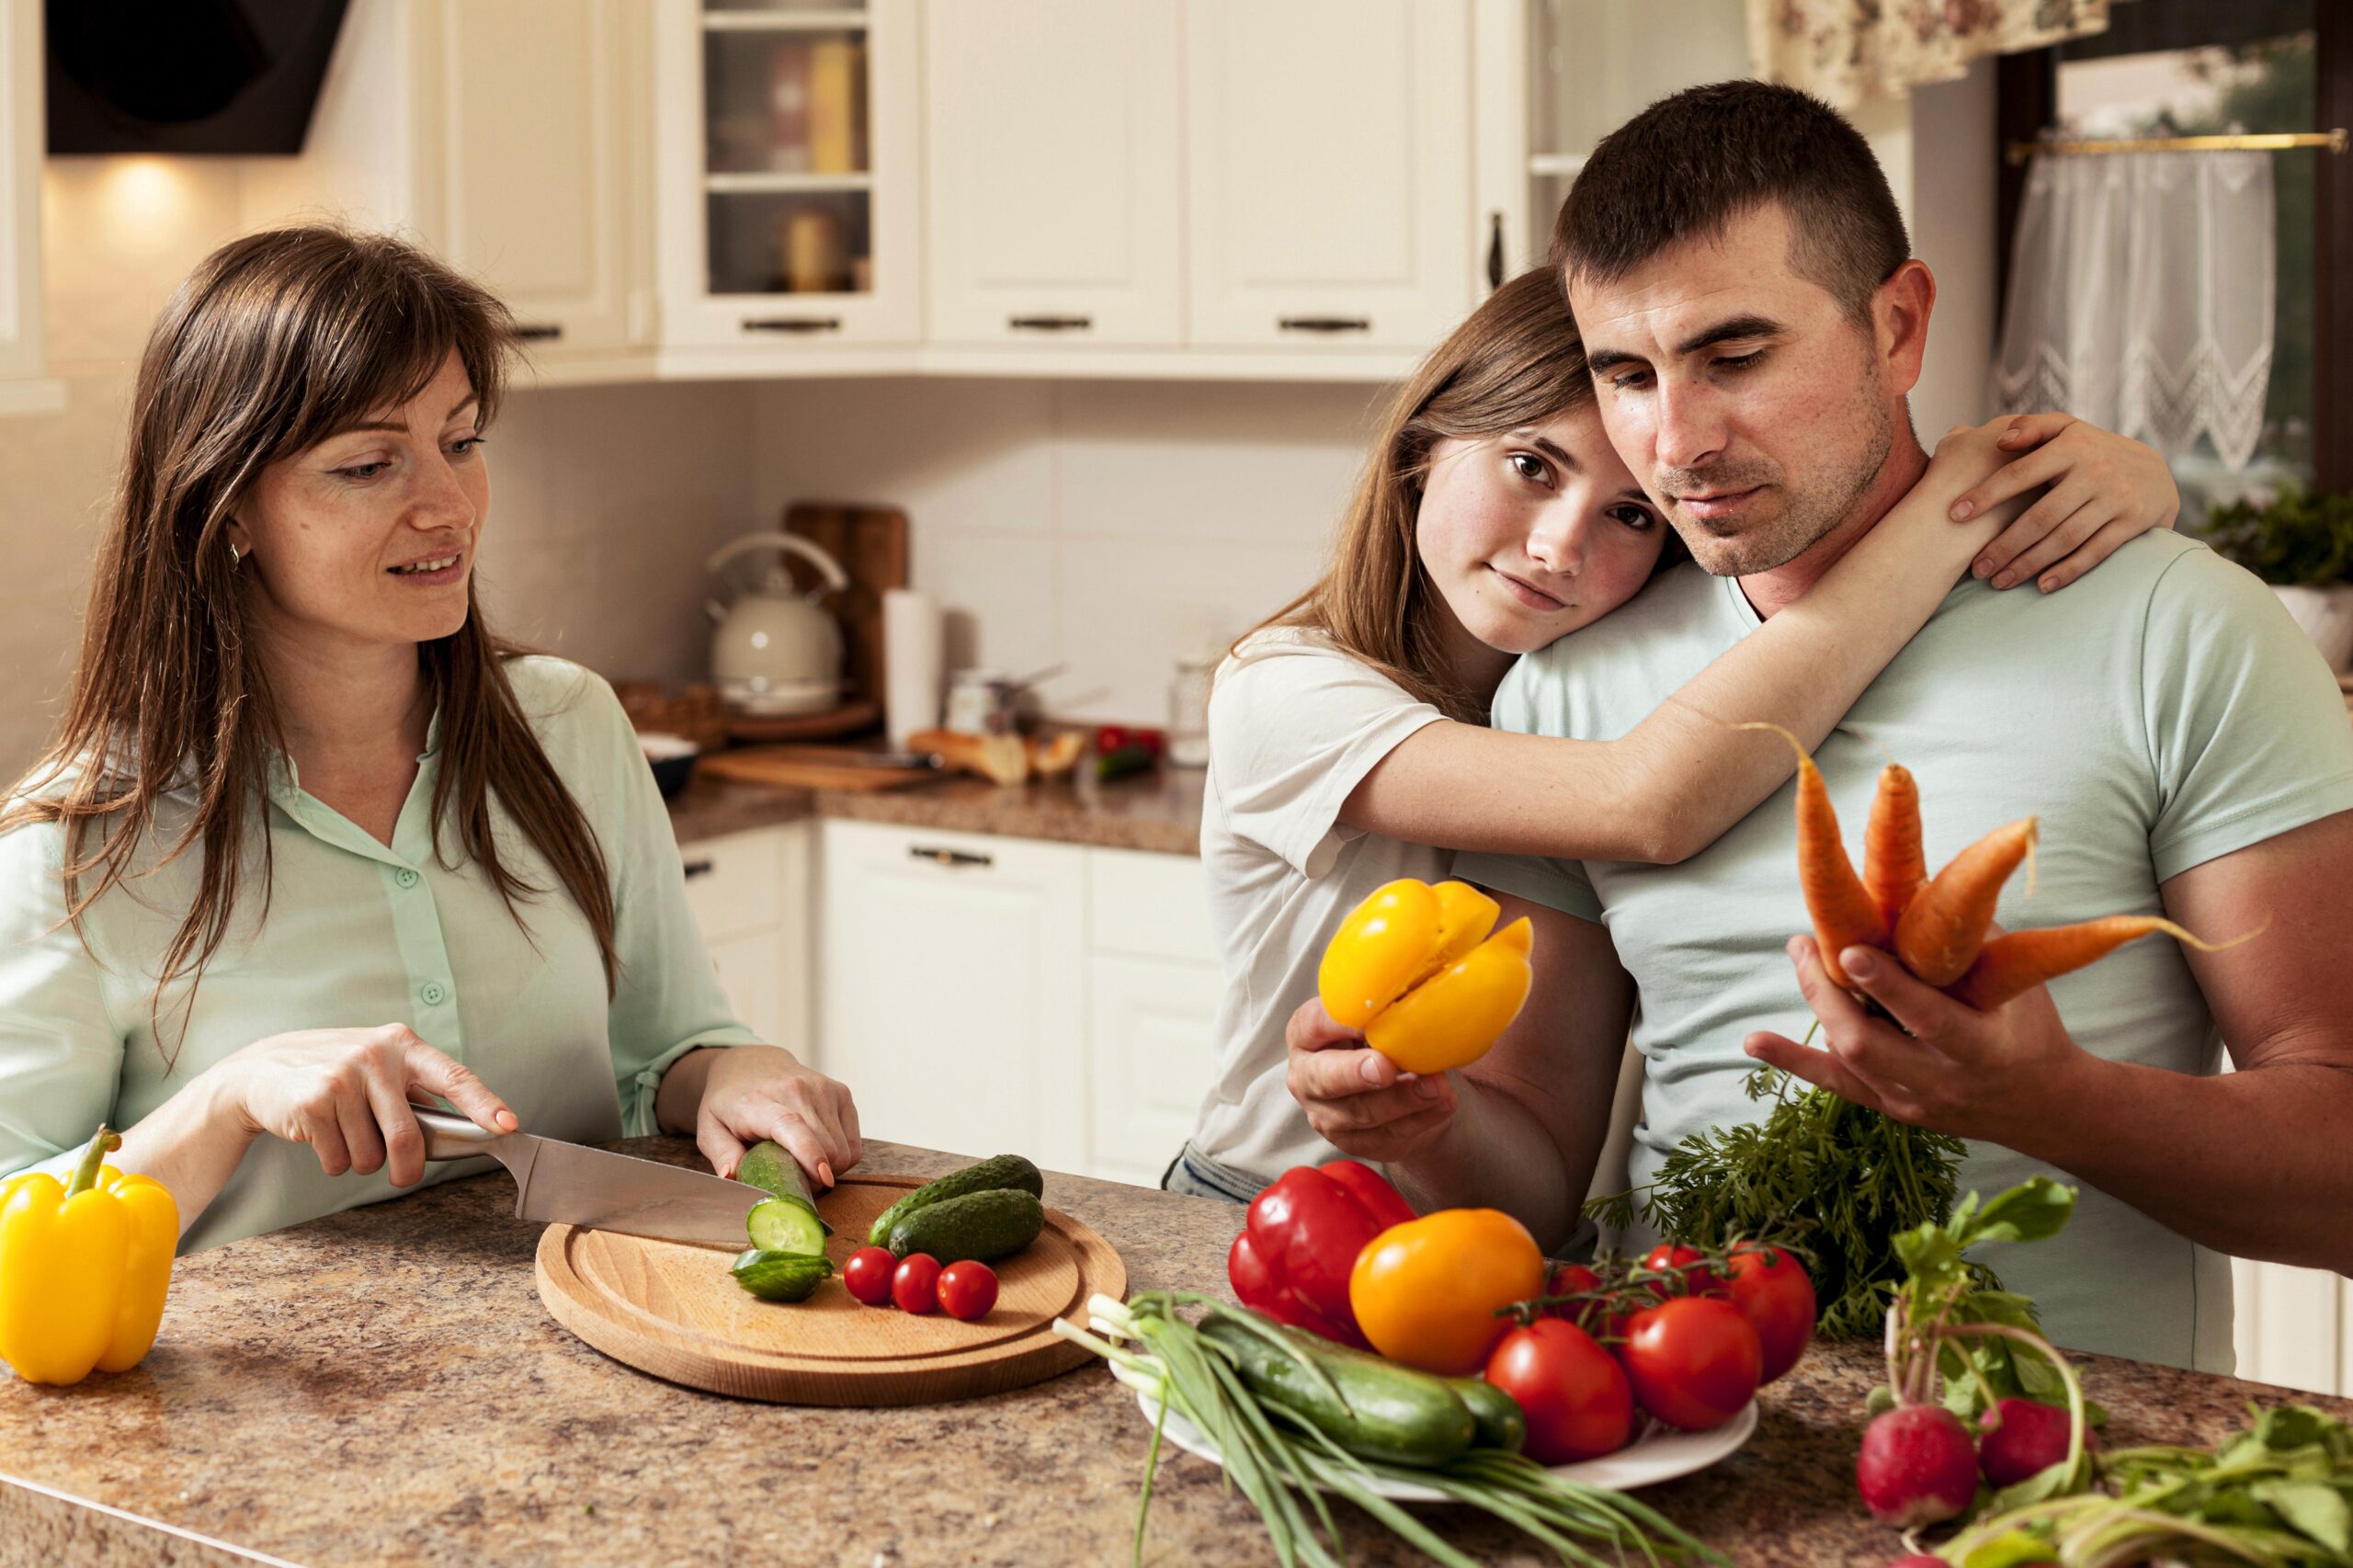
(361, 934)
(2162, 711)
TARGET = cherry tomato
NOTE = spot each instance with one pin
(1770, 1288)
(867, 1274)
(916, 1285)
(1110, 737)
(1693, 1361)
(1573, 1394)
(1674, 1254)
(1567, 1281)
(967, 1289)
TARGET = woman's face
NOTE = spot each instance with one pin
(370, 536)
(1532, 534)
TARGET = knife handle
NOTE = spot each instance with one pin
(451, 1137)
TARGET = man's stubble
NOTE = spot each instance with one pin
(1810, 512)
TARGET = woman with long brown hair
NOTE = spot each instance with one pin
(312, 841)
(1348, 742)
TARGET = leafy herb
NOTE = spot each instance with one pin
(1284, 1464)
(2279, 1492)
(2300, 537)
(1848, 1178)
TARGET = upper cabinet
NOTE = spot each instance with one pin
(1054, 169)
(1331, 178)
(786, 155)
(510, 138)
(22, 387)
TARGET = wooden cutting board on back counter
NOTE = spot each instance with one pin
(806, 768)
(870, 542)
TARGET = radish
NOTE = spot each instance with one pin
(1917, 1466)
(2022, 1437)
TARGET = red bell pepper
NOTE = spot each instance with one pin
(1299, 1244)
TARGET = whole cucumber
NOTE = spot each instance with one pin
(1502, 1423)
(1391, 1412)
(979, 1226)
(1006, 1172)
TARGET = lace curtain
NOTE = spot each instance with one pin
(2141, 297)
(1845, 51)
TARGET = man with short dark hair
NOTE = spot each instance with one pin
(1754, 320)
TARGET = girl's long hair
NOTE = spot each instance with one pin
(276, 342)
(1516, 361)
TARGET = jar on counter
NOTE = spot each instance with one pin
(1188, 710)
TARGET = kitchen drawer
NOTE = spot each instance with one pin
(1152, 905)
(734, 884)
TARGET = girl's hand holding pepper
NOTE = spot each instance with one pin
(1355, 1098)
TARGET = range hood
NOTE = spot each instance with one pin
(214, 76)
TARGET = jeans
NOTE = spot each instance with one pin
(1194, 1175)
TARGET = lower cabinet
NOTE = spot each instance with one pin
(750, 894)
(2294, 1326)
(985, 995)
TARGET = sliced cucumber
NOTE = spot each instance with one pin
(780, 1276)
(787, 1224)
(768, 1167)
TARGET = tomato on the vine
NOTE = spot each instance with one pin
(1572, 1392)
(867, 1274)
(1771, 1289)
(1674, 1255)
(967, 1289)
(1694, 1361)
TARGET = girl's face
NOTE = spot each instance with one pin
(370, 536)
(1532, 534)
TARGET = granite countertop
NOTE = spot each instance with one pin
(384, 1386)
(1159, 811)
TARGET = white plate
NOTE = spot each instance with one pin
(1661, 1453)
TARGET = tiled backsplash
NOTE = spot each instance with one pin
(1107, 526)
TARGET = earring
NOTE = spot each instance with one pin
(235, 556)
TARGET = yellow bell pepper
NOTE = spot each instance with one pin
(83, 1267)
(1426, 1292)
(1414, 968)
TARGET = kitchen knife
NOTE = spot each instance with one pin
(566, 1183)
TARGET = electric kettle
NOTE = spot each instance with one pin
(773, 651)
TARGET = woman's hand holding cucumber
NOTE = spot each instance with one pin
(751, 1093)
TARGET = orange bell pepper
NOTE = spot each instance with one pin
(83, 1267)
(1414, 968)
(1426, 1292)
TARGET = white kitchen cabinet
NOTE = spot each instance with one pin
(1330, 174)
(509, 139)
(1153, 989)
(950, 990)
(2292, 1327)
(787, 149)
(750, 894)
(1053, 171)
(23, 389)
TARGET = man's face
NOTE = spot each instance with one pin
(1754, 410)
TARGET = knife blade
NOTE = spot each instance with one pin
(566, 1183)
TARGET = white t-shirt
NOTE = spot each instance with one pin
(1295, 723)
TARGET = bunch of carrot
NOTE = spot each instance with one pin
(1937, 927)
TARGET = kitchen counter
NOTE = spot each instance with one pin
(1159, 811)
(384, 1386)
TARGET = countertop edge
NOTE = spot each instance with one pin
(1158, 815)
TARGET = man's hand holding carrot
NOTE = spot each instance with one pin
(1982, 1075)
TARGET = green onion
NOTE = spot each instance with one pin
(1283, 1464)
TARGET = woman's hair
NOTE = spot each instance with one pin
(1516, 361)
(277, 341)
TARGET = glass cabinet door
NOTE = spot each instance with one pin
(799, 164)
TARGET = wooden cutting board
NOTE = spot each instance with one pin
(675, 1313)
(805, 767)
(870, 542)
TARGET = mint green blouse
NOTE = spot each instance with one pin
(358, 934)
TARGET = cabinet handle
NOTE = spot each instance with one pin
(539, 331)
(1050, 324)
(1496, 251)
(1324, 324)
(952, 858)
(792, 324)
(698, 868)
